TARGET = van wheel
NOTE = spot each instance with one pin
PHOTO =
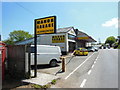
(53, 63)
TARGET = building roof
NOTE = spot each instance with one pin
(64, 30)
(84, 35)
(60, 30)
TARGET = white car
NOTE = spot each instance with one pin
(90, 49)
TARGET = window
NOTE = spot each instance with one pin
(32, 49)
(72, 37)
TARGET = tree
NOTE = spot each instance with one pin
(16, 36)
(110, 40)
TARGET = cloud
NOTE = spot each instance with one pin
(111, 23)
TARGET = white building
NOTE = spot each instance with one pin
(67, 38)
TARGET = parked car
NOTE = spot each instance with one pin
(46, 54)
(90, 49)
(100, 47)
(108, 47)
(96, 48)
(104, 47)
(81, 51)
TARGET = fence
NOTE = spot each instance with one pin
(17, 60)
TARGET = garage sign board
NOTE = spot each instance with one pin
(81, 38)
(45, 25)
(58, 39)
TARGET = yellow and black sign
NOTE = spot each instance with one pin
(45, 25)
(80, 38)
(58, 39)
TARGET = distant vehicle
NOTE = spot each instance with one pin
(90, 49)
(104, 47)
(100, 47)
(46, 54)
(81, 51)
(108, 47)
(96, 48)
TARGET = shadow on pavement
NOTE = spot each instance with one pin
(11, 82)
(43, 66)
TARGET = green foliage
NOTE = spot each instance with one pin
(9, 41)
(27, 75)
(115, 45)
(16, 36)
(110, 40)
(53, 81)
(40, 86)
(118, 47)
(36, 86)
(45, 86)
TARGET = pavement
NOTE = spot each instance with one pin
(41, 79)
(45, 74)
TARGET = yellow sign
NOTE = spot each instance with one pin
(80, 38)
(45, 25)
(58, 39)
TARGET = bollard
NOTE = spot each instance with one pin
(63, 64)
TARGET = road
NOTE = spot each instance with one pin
(105, 72)
(98, 70)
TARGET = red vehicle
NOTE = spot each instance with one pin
(2, 56)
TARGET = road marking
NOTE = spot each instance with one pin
(89, 72)
(78, 67)
(93, 65)
(83, 83)
(94, 62)
(96, 58)
(98, 55)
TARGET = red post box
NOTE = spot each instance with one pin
(3, 56)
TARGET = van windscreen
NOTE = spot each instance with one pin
(32, 49)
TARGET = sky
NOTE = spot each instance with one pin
(97, 19)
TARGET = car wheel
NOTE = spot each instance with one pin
(53, 63)
(75, 54)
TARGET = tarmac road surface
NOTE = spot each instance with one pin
(98, 70)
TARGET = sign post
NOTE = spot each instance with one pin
(45, 25)
(35, 55)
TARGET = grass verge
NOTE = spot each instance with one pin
(53, 82)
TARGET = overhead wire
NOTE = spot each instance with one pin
(28, 10)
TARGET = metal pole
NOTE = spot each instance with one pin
(63, 64)
(29, 60)
(35, 55)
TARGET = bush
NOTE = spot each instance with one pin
(40, 86)
(118, 47)
(53, 81)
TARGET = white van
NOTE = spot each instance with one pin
(46, 54)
